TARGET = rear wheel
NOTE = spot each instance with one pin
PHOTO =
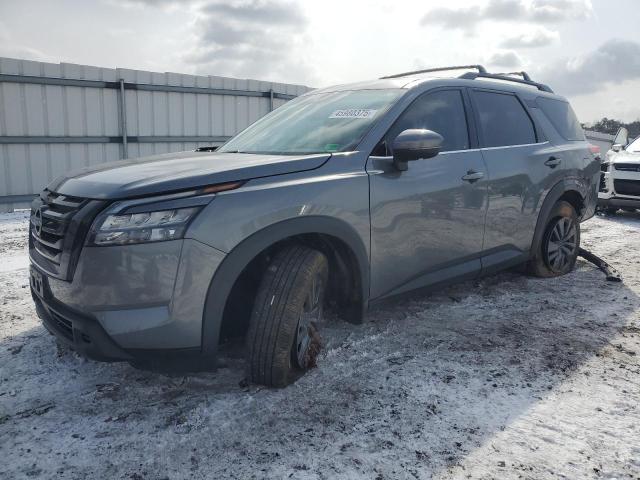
(557, 253)
(283, 340)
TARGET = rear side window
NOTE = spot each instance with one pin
(562, 117)
(503, 120)
(442, 112)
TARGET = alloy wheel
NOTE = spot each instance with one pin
(304, 350)
(561, 245)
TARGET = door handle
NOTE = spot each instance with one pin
(472, 176)
(553, 162)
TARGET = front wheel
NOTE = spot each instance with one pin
(283, 340)
(557, 253)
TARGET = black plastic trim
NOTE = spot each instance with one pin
(86, 335)
(496, 76)
(619, 202)
(554, 194)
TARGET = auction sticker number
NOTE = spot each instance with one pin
(353, 113)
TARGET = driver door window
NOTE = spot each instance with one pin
(442, 112)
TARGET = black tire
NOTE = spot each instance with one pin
(558, 250)
(283, 340)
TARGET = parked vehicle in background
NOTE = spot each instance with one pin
(620, 177)
(343, 197)
(601, 141)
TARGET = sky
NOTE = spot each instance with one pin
(586, 50)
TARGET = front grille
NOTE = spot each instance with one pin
(627, 187)
(627, 167)
(50, 222)
(603, 183)
(58, 226)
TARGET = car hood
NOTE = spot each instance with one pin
(176, 171)
(625, 157)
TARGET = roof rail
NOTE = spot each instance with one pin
(480, 68)
(524, 75)
(482, 73)
(526, 79)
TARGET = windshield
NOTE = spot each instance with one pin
(635, 146)
(316, 123)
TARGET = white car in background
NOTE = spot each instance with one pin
(620, 177)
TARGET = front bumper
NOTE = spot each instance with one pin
(82, 333)
(611, 193)
(132, 302)
(620, 202)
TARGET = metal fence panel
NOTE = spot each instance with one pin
(57, 117)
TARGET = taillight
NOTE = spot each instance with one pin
(595, 149)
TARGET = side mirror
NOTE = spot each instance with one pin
(415, 144)
(616, 147)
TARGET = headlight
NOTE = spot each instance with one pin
(123, 229)
(153, 219)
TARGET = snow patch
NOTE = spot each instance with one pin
(505, 377)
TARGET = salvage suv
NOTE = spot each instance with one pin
(342, 197)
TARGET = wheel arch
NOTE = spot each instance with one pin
(343, 246)
(570, 190)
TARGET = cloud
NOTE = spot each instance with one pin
(539, 37)
(535, 11)
(254, 38)
(462, 18)
(560, 10)
(506, 59)
(10, 49)
(24, 53)
(258, 12)
(152, 3)
(614, 62)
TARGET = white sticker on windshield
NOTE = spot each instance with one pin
(353, 113)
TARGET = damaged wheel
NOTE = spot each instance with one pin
(283, 340)
(557, 253)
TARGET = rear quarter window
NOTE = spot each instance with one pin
(562, 117)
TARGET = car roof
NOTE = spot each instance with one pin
(427, 81)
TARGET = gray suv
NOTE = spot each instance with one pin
(342, 197)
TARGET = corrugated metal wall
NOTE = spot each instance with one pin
(47, 128)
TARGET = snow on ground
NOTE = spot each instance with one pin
(507, 377)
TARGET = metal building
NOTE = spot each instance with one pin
(56, 117)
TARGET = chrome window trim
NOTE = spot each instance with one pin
(378, 157)
(516, 146)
